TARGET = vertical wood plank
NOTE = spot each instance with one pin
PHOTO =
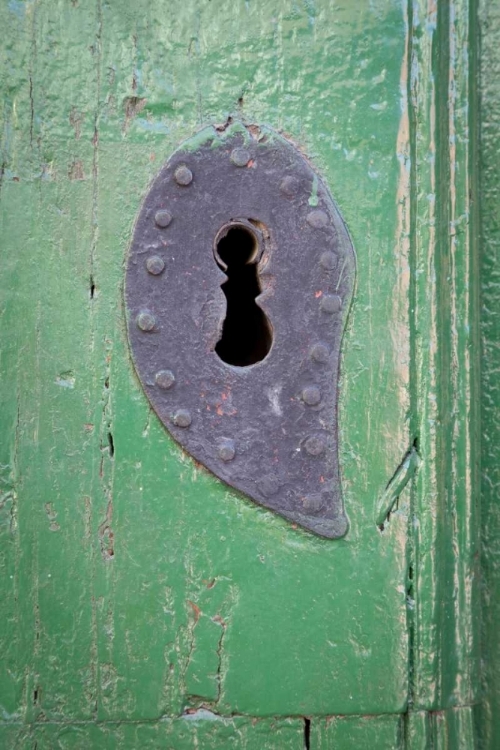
(489, 712)
(446, 357)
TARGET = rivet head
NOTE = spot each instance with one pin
(317, 219)
(330, 303)
(240, 157)
(289, 186)
(165, 379)
(315, 446)
(226, 449)
(320, 354)
(311, 395)
(314, 503)
(155, 265)
(163, 218)
(269, 486)
(341, 525)
(183, 175)
(146, 321)
(181, 418)
(328, 260)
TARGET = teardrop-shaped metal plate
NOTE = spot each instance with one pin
(268, 429)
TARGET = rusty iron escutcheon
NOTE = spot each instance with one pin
(238, 284)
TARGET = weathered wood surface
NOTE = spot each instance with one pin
(489, 713)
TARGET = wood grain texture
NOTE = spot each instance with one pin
(451, 729)
(445, 356)
(489, 712)
(354, 732)
(203, 733)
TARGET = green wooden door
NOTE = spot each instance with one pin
(144, 603)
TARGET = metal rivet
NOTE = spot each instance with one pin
(289, 186)
(183, 175)
(315, 446)
(163, 218)
(181, 418)
(269, 486)
(311, 395)
(155, 265)
(146, 321)
(240, 157)
(330, 303)
(226, 449)
(340, 524)
(317, 219)
(313, 503)
(320, 353)
(165, 379)
(328, 260)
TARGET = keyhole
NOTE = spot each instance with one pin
(246, 331)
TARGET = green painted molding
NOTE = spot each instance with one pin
(489, 710)
(444, 525)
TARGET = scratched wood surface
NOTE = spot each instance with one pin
(490, 329)
(135, 587)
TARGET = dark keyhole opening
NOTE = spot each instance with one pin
(246, 331)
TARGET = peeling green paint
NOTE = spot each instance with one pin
(488, 712)
(396, 485)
